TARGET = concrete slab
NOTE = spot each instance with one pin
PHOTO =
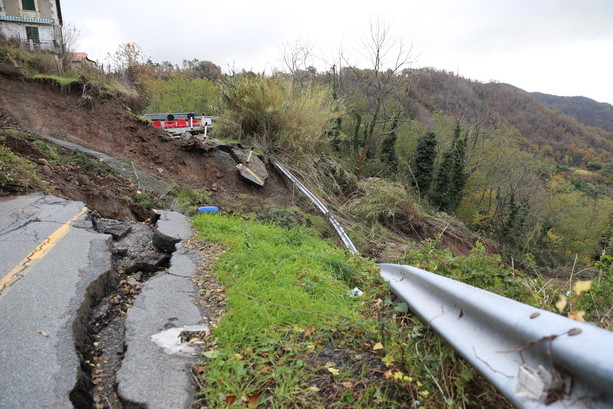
(150, 374)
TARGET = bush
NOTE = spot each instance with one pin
(384, 202)
(279, 115)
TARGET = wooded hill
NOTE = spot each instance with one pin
(412, 151)
(574, 131)
(392, 146)
(585, 110)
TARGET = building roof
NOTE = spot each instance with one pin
(78, 57)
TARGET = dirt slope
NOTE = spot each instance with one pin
(108, 126)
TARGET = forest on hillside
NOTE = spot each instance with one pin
(397, 147)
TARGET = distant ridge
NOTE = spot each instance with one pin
(583, 109)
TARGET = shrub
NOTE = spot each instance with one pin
(384, 202)
(279, 115)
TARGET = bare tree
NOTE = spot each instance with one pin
(298, 58)
(67, 37)
(127, 59)
(387, 57)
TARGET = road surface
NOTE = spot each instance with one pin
(49, 257)
(53, 266)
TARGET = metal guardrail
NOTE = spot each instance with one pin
(322, 208)
(532, 356)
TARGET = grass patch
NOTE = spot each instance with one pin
(187, 200)
(292, 336)
(284, 266)
(17, 175)
(65, 83)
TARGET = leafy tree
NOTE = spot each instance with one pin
(182, 93)
(388, 152)
(423, 166)
(128, 60)
(202, 69)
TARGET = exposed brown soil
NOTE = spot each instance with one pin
(108, 127)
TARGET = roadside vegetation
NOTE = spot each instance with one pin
(292, 334)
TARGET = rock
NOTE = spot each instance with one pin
(149, 263)
(47, 170)
(116, 228)
(83, 179)
(121, 252)
(164, 243)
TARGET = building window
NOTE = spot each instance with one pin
(32, 34)
(29, 5)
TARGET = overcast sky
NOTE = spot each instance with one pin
(561, 47)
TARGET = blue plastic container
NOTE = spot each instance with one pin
(208, 209)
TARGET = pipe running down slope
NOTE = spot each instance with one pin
(534, 357)
(322, 208)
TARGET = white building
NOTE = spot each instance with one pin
(35, 22)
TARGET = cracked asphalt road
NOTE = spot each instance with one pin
(49, 257)
(54, 267)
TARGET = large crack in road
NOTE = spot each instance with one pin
(86, 325)
(101, 341)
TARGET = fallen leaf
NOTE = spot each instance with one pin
(238, 356)
(194, 340)
(230, 399)
(347, 384)
(582, 286)
(577, 315)
(561, 304)
(333, 371)
(252, 402)
(387, 360)
(211, 354)
(398, 375)
(43, 333)
(265, 369)
(313, 388)
(330, 364)
(310, 329)
(377, 346)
